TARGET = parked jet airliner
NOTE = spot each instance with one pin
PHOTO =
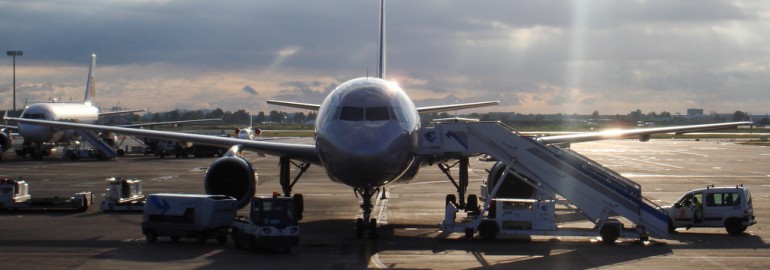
(366, 137)
(38, 140)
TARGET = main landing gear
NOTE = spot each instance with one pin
(471, 205)
(366, 224)
(287, 183)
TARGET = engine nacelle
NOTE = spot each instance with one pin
(411, 173)
(644, 138)
(232, 176)
(512, 186)
(5, 141)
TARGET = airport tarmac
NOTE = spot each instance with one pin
(409, 237)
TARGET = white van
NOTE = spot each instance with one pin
(728, 207)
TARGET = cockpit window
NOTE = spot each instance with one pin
(398, 114)
(33, 116)
(377, 114)
(352, 113)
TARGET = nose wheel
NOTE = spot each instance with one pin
(366, 226)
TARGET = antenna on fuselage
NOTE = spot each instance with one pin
(381, 70)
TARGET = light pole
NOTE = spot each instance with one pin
(14, 54)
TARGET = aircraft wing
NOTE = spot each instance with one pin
(121, 112)
(170, 122)
(454, 107)
(305, 152)
(642, 133)
(306, 106)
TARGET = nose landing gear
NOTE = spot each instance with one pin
(366, 224)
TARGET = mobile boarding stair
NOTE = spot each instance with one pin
(104, 149)
(595, 190)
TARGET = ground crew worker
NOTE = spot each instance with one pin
(698, 215)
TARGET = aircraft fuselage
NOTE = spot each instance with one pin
(71, 112)
(367, 132)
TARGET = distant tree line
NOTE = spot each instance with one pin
(240, 117)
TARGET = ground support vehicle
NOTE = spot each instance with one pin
(529, 217)
(188, 215)
(123, 195)
(14, 195)
(728, 207)
(273, 222)
(547, 172)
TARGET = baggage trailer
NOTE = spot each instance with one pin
(123, 195)
(14, 196)
(188, 215)
(272, 223)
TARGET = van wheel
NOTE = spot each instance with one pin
(734, 226)
(237, 241)
(200, 239)
(151, 237)
(488, 230)
(222, 239)
(610, 232)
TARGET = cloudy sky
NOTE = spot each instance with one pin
(533, 56)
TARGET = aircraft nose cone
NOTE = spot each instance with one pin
(371, 158)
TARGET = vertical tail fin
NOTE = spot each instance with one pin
(90, 84)
(381, 70)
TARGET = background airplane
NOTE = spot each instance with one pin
(39, 140)
(367, 134)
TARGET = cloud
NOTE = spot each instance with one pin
(249, 90)
(618, 54)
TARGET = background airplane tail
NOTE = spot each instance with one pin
(381, 58)
(90, 84)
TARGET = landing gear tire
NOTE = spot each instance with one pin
(175, 238)
(373, 229)
(451, 198)
(360, 228)
(472, 206)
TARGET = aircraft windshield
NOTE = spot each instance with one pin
(377, 114)
(352, 113)
(33, 116)
(348, 113)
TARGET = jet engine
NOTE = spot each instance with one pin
(232, 176)
(410, 173)
(5, 140)
(512, 186)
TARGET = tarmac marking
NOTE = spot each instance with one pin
(645, 161)
(630, 175)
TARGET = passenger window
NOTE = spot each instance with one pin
(377, 114)
(713, 199)
(352, 114)
(733, 199)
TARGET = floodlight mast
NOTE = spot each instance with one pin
(14, 54)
